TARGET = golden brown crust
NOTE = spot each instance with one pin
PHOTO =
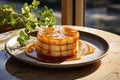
(57, 41)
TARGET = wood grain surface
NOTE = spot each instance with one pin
(108, 68)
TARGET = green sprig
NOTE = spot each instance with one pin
(43, 19)
(46, 18)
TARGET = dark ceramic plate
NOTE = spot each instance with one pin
(100, 44)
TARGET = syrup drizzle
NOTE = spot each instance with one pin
(85, 49)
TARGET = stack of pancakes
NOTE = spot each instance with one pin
(57, 42)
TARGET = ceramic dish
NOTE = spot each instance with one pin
(100, 44)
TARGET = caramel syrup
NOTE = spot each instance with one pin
(85, 49)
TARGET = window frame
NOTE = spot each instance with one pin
(73, 12)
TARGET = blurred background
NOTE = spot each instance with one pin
(103, 14)
(100, 14)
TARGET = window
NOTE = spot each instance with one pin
(103, 14)
(72, 12)
(100, 14)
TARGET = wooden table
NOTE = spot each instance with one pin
(108, 68)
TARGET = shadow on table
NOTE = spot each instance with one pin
(24, 71)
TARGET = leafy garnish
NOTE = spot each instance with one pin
(30, 22)
(23, 37)
(46, 18)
